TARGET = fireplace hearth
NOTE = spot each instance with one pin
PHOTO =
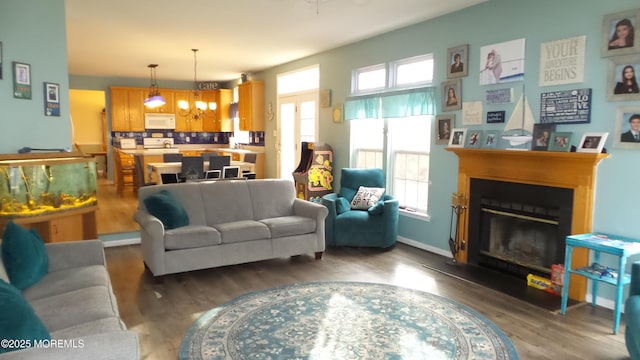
(518, 228)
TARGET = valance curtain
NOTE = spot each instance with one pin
(404, 103)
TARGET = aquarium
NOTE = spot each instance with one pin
(48, 183)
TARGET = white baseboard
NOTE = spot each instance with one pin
(121, 242)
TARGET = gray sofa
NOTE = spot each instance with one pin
(230, 222)
(75, 302)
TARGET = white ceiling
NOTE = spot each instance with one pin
(119, 38)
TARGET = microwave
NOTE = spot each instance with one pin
(159, 121)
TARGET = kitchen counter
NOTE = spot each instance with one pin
(150, 151)
(178, 148)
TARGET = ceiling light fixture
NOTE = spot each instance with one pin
(154, 100)
(199, 107)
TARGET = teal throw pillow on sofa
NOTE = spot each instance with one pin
(24, 255)
(166, 207)
(376, 209)
(342, 205)
(18, 321)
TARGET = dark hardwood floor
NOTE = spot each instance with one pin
(162, 311)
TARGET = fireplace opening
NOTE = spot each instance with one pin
(518, 228)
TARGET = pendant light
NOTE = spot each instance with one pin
(199, 107)
(154, 100)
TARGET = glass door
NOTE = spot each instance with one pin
(297, 122)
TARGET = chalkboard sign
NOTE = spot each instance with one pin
(566, 107)
(495, 117)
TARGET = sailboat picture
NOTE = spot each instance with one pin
(520, 123)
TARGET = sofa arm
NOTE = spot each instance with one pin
(309, 209)
(152, 241)
(329, 201)
(634, 286)
(121, 345)
(72, 254)
(390, 214)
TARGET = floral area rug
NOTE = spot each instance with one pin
(344, 320)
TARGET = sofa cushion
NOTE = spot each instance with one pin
(226, 201)
(59, 282)
(342, 205)
(75, 307)
(24, 255)
(191, 237)
(168, 209)
(245, 230)
(366, 197)
(271, 198)
(17, 318)
(290, 225)
(358, 221)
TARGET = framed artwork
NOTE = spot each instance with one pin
(451, 95)
(51, 99)
(542, 135)
(474, 138)
(621, 33)
(458, 135)
(592, 142)
(560, 141)
(623, 78)
(492, 58)
(627, 128)
(21, 80)
(490, 139)
(0, 60)
(457, 58)
(445, 123)
(566, 106)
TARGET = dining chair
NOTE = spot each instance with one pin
(139, 179)
(124, 172)
(192, 168)
(172, 157)
(218, 162)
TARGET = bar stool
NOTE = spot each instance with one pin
(125, 173)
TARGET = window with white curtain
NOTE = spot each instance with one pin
(392, 130)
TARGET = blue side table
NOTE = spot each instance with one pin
(611, 244)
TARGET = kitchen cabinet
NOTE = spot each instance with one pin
(217, 120)
(168, 108)
(127, 109)
(251, 105)
(186, 123)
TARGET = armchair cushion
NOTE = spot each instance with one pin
(167, 208)
(377, 208)
(342, 205)
(366, 197)
(17, 318)
(24, 255)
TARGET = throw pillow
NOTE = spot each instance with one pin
(24, 255)
(166, 207)
(376, 209)
(366, 197)
(3, 272)
(18, 321)
(342, 205)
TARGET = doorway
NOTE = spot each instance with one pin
(297, 121)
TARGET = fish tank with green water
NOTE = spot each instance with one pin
(43, 184)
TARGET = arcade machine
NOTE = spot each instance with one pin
(314, 175)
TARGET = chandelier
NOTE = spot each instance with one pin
(199, 107)
(154, 99)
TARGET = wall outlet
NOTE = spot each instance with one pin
(187, 139)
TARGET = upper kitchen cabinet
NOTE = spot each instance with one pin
(251, 105)
(217, 120)
(127, 109)
(168, 108)
(186, 123)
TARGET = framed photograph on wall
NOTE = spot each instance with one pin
(623, 78)
(627, 129)
(490, 139)
(592, 142)
(51, 99)
(621, 33)
(502, 62)
(560, 141)
(0, 60)
(21, 80)
(451, 95)
(457, 58)
(458, 137)
(445, 123)
(542, 136)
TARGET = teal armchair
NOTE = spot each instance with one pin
(632, 314)
(375, 227)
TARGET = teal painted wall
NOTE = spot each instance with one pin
(33, 32)
(488, 23)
